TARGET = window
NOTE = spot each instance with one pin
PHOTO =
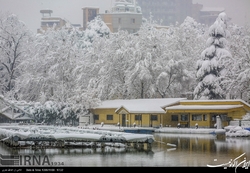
(153, 117)
(119, 20)
(132, 20)
(50, 24)
(184, 117)
(137, 117)
(204, 117)
(213, 118)
(197, 117)
(109, 117)
(96, 117)
(222, 116)
(174, 117)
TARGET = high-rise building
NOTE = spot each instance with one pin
(167, 12)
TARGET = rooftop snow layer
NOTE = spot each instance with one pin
(140, 105)
(203, 107)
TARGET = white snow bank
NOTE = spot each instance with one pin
(47, 133)
(190, 131)
(236, 131)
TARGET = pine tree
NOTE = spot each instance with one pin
(213, 67)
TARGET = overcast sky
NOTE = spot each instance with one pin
(29, 10)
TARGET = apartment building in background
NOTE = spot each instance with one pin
(49, 21)
(124, 15)
(208, 15)
(167, 12)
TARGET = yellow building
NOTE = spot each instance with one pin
(204, 112)
(143, 112)
(168, 112)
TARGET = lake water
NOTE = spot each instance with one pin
(192, 150)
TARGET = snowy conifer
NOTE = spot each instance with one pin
(212, 68)
(96, 28)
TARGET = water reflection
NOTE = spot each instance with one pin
(186, 142)
(168, 150)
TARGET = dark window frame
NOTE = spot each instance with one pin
(184, 117)
(96, 117)
(109, 117)
(138, 117)
(174, 117)
(154, 117)
(197, 117)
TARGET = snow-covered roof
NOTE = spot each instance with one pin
(50, 20)
(91, 7)
(218, 101)
(140, 105)
(203, 107)
(10, 115)
(24, 118)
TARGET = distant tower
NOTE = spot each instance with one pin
(124, 15)
(89, 13)
(46, 13)
(48, 21)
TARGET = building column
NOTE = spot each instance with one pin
(218, 122)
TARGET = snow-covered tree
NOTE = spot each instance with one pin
(214, 65)
(14, 41)
(140, 80)
(52, 113)
(156, 51)
(168, 83)
(50, 74)
(48, 71)
(96, 28)
(240, 49)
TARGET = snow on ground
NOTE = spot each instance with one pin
(57, 133)
(237, 131)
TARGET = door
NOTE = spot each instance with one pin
(123, 120)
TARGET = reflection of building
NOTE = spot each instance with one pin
(124, 15)
(89, 13)
(198, 142)
(169, 112)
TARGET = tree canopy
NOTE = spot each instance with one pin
(74, 70)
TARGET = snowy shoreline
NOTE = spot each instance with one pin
(229, 131)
